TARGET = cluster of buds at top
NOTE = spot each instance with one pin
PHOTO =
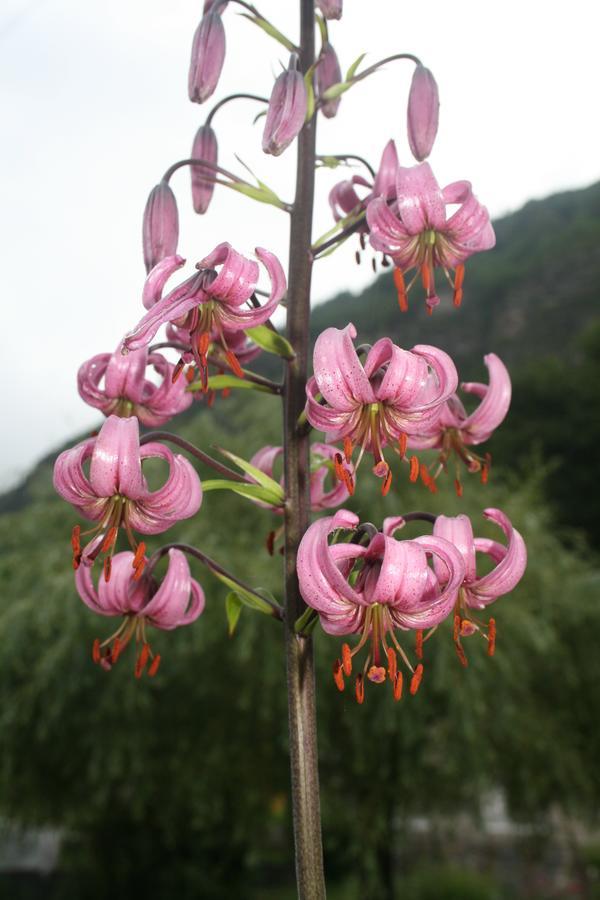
(388, 586)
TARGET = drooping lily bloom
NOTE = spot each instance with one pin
(142, 602)
(203, 179)
(455, 431)
(208, 55)
(478, 592)
(328, 73)
(116, 384)
(423, 113)
(331, 9)
(374, 590)
(417, 233)
(209, 301)
(286, 111)
(115, 493)
(395, 393)
(323, 459)
(160, 227)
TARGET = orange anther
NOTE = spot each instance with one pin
(210, 399)
(385, 487)
(141, 661)
(402, 444)
(76, 561)
(270, 543)
(456, 630)
(190, 374)
(346, 660)
(414, 469)
(109, 540)
(426, 277)
(392, 664)
(139, 554)
(107, 568)
(203, 343)
(234, 364)
(457, 298)
(338, 675)
(116, 650)
(491, 637)
(347, 448)
(225, 393)
(458, 487)
(349, 482)
(419, 644)
(177, 371)
(461, 655)
(338, 467)
(75, 539)
(401, 289)
(485, 473)
(415, 681)
(139, 570)
(154, 666)
(96, 655)
(376, 674)
(459, 276)
(398, 683)
(359, 689)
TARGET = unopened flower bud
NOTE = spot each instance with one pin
(423, 113)
(328, 73)
(160, 230)
(208, 54)
(217, 6)
(287, 110)
(331, 9)
(203, 178)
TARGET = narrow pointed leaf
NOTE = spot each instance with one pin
(271, 341)
(270, 29)
(265, 480)
(233, 608)
(219, 382)
(351, 71)
(250, 491)
(253, 601)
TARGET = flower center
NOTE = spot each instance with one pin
(104, 540)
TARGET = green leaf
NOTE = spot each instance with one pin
(352, 70)
(265, 480)
(271, 341)
(336, 90)
(306, 622)
(233, 608)
(218, 382)
(252, 601)
(310, 95)
(262, 194)
(250, 491)
(270, 29)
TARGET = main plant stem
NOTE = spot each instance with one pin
(300, 664)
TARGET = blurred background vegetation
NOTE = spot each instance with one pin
(483, 786)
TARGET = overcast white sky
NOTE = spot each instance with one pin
(94, 108)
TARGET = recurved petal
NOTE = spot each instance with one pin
(322, 584)
(332, 421)
(121, 594)
(175, 603)
(158, 277)
(495, 401)
(437, 607)
(459, 532)
(125, 375)
(179, 498)
(176, 304)
(338, 372)
(508, 572)
(115, 466)
(89, 376)
(445, 373)
(385, 180)
(71, 483)
(420, 200)
(386, 232)
(237, 278)
(402, 577)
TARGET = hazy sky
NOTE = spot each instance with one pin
(94, 109)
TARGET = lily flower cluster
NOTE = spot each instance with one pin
(388, 586)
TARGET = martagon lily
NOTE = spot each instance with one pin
(215, 299)
(178, 600)
(116, 495)
(325, 460)
(417, 232)
(476, 593)
(455, 431)
(375, 590)
(394, 394)
(116, 383)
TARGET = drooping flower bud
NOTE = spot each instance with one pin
(160, 229)
(203, 184)
(328, 72)
(423, 113)
(208, 54)
(287, 110)
(331, 9)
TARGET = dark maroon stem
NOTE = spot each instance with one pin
(228, 99)
(299, 651)
(193, 451)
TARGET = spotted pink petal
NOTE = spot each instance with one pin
(179, 498)
(158, 277)
(389, 235)
(179, 600)
(420, 199)
(339, 375)
(115, 466)
(71, 482)
(495, 401)
(469, 228)
(385, 179)
(509, 570)
(170, 308)
(236, 281)
(459, 532)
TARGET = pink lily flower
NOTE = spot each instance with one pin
(324, 459)
(178, 600)
(479, 592)
(160, 227)
(423, 113)
(208, 55)
(286, 111)
(328, 73)
(116, 495)
(203, 179)
(375, 590)
(344, 199)
(455, 431)
(126, 390)
(331, 9)
(395, 393)
(416, 232)
(209, 301)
